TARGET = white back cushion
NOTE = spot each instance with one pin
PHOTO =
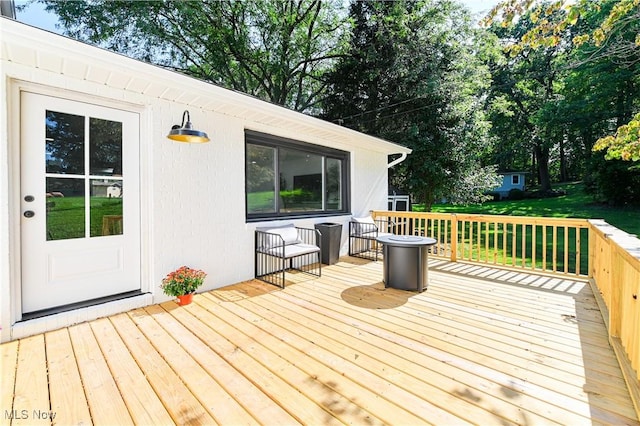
(368, 225)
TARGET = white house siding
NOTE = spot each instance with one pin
(192, 196)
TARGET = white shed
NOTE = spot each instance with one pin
(180, 204)
(510, 180)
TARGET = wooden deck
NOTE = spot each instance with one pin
(481, 345)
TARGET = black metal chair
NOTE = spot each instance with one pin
(363, 232)
(280, 248)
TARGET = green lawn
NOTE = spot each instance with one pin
(65, 216)
(575, 204)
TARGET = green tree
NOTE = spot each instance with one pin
(410, 76)
(523, 100)
(616, 37)
(601, 90)
(277, 50)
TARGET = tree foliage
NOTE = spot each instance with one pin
(410, 76)
(538, 89)
(625, 144)
(523, 101)
(616, 37)
(275, 50)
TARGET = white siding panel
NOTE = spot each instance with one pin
(20, 55)
(368, 182)
(154, 90)
(119, 80)
(75, 69)
(186, 98)
(172, 93)
(50, 62)
(138, 85)
(199, 101)
(98, 74)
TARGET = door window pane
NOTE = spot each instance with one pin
(64, 152)
(333, 184)
(65, 208)
(300, 181)
(261, 184)
(105, 147)
(106, 207)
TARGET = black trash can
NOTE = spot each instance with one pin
(331, 236)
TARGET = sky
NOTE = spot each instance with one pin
(35, 14)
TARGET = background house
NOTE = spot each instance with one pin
(181, 204)
(510, 180)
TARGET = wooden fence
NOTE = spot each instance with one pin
(590, 249)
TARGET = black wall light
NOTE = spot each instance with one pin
(186, 133)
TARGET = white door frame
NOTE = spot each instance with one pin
(84, 256)
(11, 295)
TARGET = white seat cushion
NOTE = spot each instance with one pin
(293, 250)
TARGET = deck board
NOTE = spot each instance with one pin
(67, 395)
(139, 397)
(218, 403)
(31, 400)
(255, 402)
(8, 363)
(181, 404)
(338, 380)
(470, 358)
(104, 399)
(208, 328)
(327, 339)
(480, 346)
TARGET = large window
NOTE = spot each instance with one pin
(290, 178)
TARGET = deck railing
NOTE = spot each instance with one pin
(593, 249)
(532, 243)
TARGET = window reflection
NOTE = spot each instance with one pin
(334, 184)
(290, 178)
(300, 181)
(105, 147)
(64, 152)
(66, 198)
(106, 207)
(65, 208)
(261, 183)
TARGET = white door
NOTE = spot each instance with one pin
(80, 233)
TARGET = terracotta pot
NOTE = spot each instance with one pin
(185, 299)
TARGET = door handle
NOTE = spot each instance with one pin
(29, 213)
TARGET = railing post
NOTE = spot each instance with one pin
(615, 308)
(454, 237)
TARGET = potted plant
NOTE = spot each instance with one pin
(182, 283)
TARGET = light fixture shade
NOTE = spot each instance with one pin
(186, 133)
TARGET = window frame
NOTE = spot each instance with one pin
(277, 142)
(515, 179)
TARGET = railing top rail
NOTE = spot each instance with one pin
(411, 214)
(628, 245)
(527, 220)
